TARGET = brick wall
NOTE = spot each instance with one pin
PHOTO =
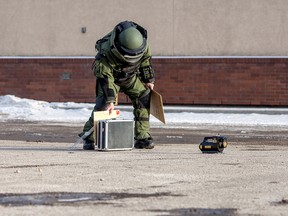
(187, 81)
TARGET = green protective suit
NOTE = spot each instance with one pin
(114, 74)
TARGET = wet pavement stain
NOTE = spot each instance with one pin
(198, 212)
(36, 165)
(63, 198)
(281, 202)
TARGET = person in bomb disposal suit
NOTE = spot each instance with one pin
(123, 64)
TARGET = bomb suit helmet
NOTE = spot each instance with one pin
(131, 39)
(130, 42)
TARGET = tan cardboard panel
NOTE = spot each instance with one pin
(156, 106)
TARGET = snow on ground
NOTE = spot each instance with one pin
(15, 108)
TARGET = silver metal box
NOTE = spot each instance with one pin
(115, 135)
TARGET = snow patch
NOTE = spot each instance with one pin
(15, 108)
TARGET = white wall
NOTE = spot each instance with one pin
(175, 27)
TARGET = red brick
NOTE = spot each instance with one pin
(187, 81)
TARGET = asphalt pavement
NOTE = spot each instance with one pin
(42, 175)
(48, 178)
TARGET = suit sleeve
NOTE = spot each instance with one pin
(146, 68)
(105, 80)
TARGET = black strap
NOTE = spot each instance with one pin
(141, 119)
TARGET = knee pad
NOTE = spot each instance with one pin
(144, 100)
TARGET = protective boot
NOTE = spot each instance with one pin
(146, 143)
(88, 145)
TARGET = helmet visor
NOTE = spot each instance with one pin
(126, 57)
